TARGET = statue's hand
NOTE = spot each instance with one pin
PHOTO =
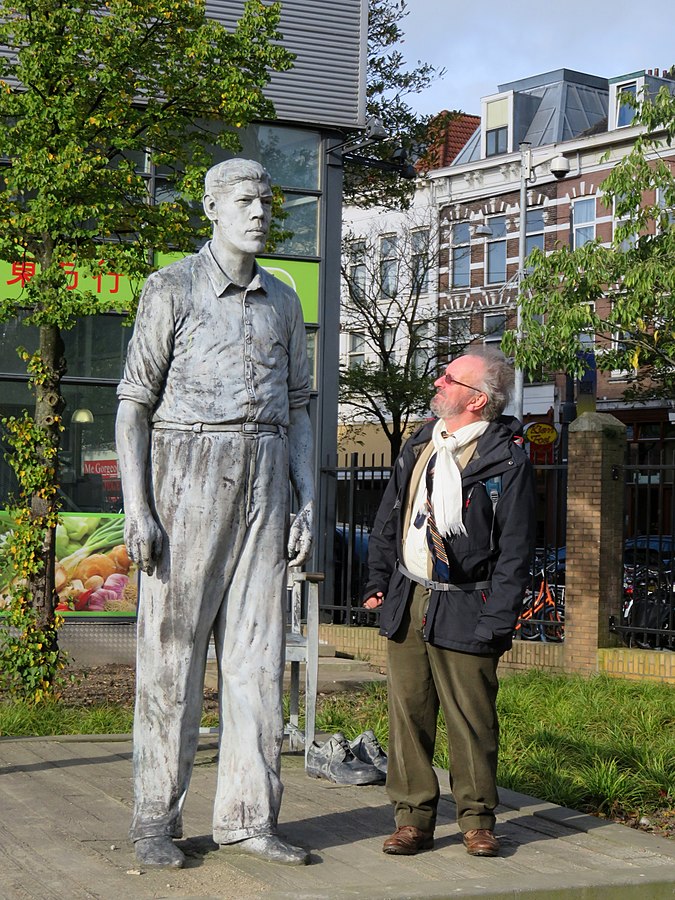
(300, 538)
(143, 539)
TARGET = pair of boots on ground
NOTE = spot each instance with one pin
(361, 761)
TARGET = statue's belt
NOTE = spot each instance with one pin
(241, 427)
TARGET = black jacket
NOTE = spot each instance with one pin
(498, 546)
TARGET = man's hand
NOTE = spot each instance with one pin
(143, 539)
(300, 538)
(374, 601)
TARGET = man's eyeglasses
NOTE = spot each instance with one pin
(449, 379)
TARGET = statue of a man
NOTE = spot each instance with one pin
(212, 421)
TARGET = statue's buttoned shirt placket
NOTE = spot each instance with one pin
(207, 350)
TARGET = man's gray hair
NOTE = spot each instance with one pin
(497, 380)
(225, 175)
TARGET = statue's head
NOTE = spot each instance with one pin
(225, 175)
(238, 200)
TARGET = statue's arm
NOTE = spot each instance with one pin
(142, 534)
(302, 479)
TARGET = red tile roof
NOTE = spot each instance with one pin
(454, 136)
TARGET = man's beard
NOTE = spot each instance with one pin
(444, 408)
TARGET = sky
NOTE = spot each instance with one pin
(484, 43)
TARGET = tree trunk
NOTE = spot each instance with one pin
(49, 404)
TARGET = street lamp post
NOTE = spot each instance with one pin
(525, 175)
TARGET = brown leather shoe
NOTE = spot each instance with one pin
(407, 841)
(481, 842)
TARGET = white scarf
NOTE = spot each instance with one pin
(446, 496)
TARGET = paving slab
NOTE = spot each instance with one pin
(66, 804)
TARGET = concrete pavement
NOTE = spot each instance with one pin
(65, 806)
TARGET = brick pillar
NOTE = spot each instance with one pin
(595, 509)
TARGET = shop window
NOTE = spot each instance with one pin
(496, 251)
(461, 255)
(88, 473)
(95, 347)
(302, 220)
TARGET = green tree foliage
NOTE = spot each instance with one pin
(393, 323)
(389, 84)
(91, 93)
(621, 294)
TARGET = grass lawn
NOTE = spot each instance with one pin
(599, 745)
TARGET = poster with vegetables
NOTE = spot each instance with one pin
(94, 575)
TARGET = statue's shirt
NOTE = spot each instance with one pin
(206, 350)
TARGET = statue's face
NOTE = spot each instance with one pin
(241, 215)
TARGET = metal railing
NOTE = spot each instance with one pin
(647, 618)
(359, 488)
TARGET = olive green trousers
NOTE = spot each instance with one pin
(420, 679)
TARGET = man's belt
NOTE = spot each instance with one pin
(442, 585)
(241, 427)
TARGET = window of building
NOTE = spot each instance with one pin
(496, 251)
(534, 230)
(461, 255)
(419, 246)
(667, 210)
(631, 239)
(459, 334)
(583, 221)
(497, 127)
(625, 113)
(357, 270)
(388, 265)
(389, 343)
(357, 348)
(425, 348)
(493, 327)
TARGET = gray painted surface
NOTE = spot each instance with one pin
(326, 85)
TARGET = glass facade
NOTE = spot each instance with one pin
(95, 348)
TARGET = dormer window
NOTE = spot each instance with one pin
(625, 113)
(497, 127)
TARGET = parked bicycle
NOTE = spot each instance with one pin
(543, 614)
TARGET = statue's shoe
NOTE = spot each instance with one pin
(159, 851)
(271, 848)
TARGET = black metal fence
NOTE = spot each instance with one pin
(647, 616)
(359, 486)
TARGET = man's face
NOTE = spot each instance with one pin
(452, 398)
(241, 215)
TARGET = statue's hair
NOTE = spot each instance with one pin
(497, 379)
(224, 175)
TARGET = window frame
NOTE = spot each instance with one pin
(388, 263)
(458, 250)
(577, 227)
(495, 243)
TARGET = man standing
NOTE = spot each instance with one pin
(449, 564)
(212, 421)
